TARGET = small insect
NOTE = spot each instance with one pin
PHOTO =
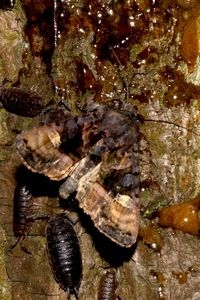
(7, 4)
(22, 212)
(107, 287)
(21, 102)
(64, 254)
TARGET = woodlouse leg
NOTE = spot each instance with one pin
(26, 250)
(20, 238)
(15, 244)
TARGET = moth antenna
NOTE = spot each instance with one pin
(75, 294)
(117, 58)
(171, 123)
(140, 117)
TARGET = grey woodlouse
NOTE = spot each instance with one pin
(21, 102)
(107, 287)
(22, 211)
(64, 254)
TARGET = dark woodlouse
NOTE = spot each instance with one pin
(22, 212)
(64, 254)
(7, 4)
(21, 102)
(107, 287)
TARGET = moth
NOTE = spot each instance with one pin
(98, 154)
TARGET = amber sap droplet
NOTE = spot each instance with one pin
(190, 42)
(151, 236)
(159, 277)
(183, 216)
(180, 276)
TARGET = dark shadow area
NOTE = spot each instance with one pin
(7, 4)
(112, 253)
(40, 185)
(71, 203)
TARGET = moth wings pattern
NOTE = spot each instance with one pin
(97, 152)
(115, 216)
(39, 150)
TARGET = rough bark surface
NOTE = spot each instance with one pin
(138, 52)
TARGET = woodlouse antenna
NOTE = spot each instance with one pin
(73, 292)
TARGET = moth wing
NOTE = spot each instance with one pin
(38, 149)
(117, 218)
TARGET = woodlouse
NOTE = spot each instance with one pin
(64, 254)
(22, 212)
(107, 286)
(21, 102)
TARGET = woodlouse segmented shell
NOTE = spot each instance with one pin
(21, 102)
(64, 253)
(22, 211)
(107, 286)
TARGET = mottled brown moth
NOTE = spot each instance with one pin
(97, 152)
